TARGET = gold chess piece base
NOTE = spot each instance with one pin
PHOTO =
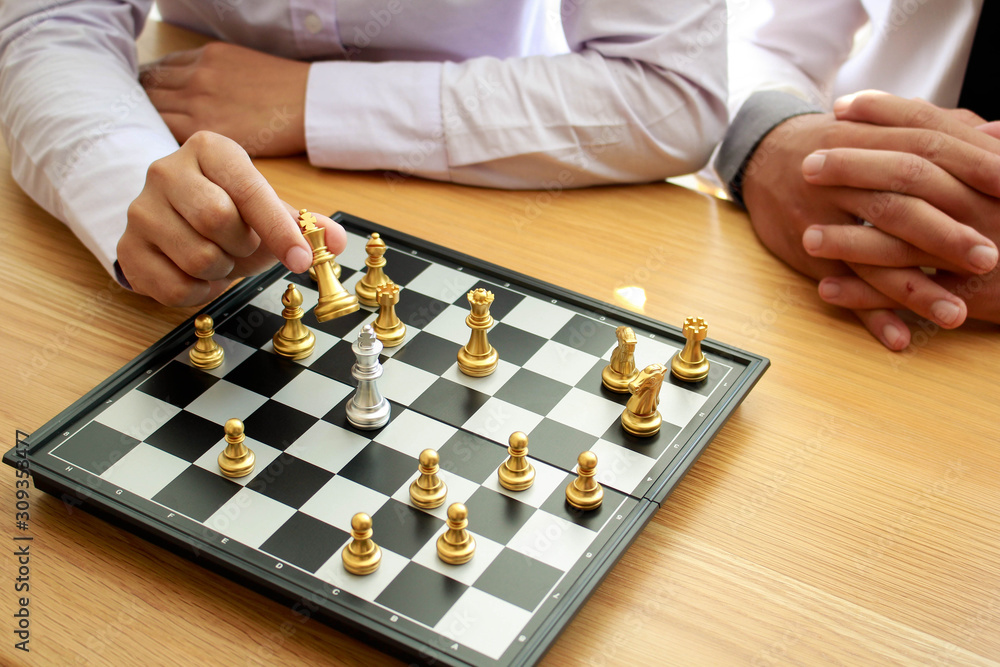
(585, 492)
(478, 365)
(616, 382)
(642, 426)
(688, 371)
(294, 349)
(361, 556)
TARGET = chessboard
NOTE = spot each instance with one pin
(142, 450)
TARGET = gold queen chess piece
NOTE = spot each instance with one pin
(690, 363)
(617, 375)
(206, 353)
(641, 417)
(293, 340)
(334, 300)
(478, 358)
(375, 275)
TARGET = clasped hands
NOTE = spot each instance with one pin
(925, 179)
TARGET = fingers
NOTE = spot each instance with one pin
(864, 245)
(170, 72)
(895, 191)
(152, 273)
(907, 288)
(886, 326)
(992, 128)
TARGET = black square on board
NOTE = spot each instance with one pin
(588, 335)
(290, 480)
(418, 310)
(558, 444)
(402, 267)
(197, 493)
(336, 363)
(178, 384)
(592, 384)
(652, 446)
(532, 391)
(504, 300)
(95, 447)
(497, 516)
(186, 436)
(305, 541)
(338, 326)
(428, 352)
(277, 424)
(704, 387)
(449, 402)
(403, 529)
(421, 594)
(380, 468)
(557, 505)
(338, 416)
(264, 373)
(251, 326)
(514, 345)
(534, 579)
(470, 456)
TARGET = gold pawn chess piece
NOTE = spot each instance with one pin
(617, 375)
(334, 300)
(456, 545)
(585, 492)
(375, 275)
(641, 417)
(516, 473)
(387, 326)
(361, 555)
(428, 491)
(293, 339)
(478, 358)
(236, 460)
(690, 363)
(206, 353)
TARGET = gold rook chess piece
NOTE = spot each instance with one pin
(334, 300)
(428, 491)
(456, 545)
(585, 492)
(641, 417)
(387, 326)
(293, 339)
(478, 358)
(206, 353)
(361, 555)
(375, 275)
(617, 375)
(236, 460)
(516, 473)
(690, 363)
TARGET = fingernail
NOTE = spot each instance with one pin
(945, 312)
(298, 259)
(829, 289)
(813, 163)
(983, 257)
(891, 335)
(812, 239)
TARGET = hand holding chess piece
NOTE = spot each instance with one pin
(334, 300)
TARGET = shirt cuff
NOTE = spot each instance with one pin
(761, 113)
(376, 116)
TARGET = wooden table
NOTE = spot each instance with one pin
(849, 512)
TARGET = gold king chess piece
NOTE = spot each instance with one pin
(387, 326)
(690, 363)
(641, 417)
(236, 460)
(334, 300)
(516, 473)
(375, 275)
(361, 555)
(584, 492)
(617, 375)
(478, 358)
(206, 353)
(293, 340)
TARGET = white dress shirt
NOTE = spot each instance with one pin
(472, 91)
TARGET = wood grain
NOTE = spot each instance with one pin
(849, 512)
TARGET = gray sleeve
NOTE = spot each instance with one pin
(761, 113)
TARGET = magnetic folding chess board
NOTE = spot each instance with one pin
(141, 449)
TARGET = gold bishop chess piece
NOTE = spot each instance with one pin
(617, 375)
(334, 300)
(641, 417)
(516, 473)
(456, 545)
(361, 555)
(294, 339)
(388, 327)
(206, 353)
(585, 492)
(478, 358)
(428, 491)
(236, 460)
(690, 363)
(375, 275)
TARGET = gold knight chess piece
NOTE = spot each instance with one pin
(334, 300)
(478, 358)
(690, 363)
(617, 375)
(641, 417)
